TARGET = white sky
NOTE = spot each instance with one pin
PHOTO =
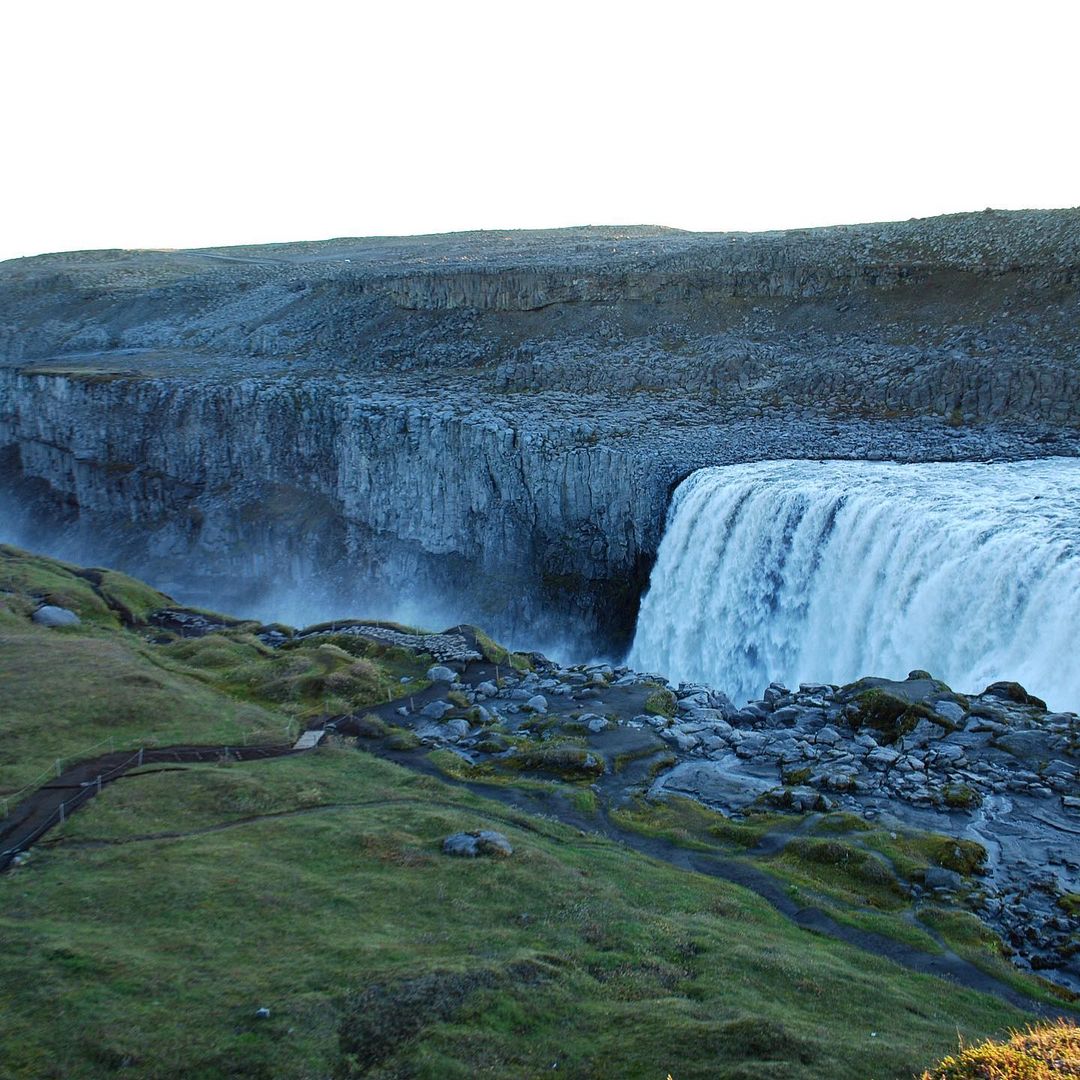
(195, 123)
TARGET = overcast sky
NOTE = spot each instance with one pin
(207, 123)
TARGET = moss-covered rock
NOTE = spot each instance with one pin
(566, 762)
(661, 702)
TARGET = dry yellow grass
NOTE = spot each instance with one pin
(1042, 1052)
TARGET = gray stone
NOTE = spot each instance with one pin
(1030, 745)
(538, 703)
(436, 710)
(881, 758)
(950, 710)
(718, 783)
(937, 877)
(49, 615)
(439, 673)
(483, 842)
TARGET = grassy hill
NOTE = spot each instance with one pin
(142, 937)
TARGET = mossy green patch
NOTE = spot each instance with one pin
(690, 824)
(661, 702)
(98, 597)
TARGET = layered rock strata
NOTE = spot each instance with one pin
(497, 420)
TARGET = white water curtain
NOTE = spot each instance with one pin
(827, 571)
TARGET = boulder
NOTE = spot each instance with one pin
(949, 710)
(49, 615)
(483, 842)
(456, 729)
(1014, 692)
(440, 673)
(537, 703)
(937, 877)
(436, 710)
(715, 783)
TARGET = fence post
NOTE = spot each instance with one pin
(59, 766)
(140, 756)
(99, 783)
(61, 813)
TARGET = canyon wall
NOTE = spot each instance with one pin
(489, 426)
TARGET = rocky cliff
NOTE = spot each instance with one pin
(490, 425)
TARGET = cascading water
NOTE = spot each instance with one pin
(827, 571)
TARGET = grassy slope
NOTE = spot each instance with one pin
(79, 691)
(159, 950)
(162, 949)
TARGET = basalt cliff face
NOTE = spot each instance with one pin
(489, 425)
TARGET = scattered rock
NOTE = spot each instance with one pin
(469, 845)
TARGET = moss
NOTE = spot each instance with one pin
(1014, 692)
(1069, 903)
(458, 699)
(566, 762)
(661, 702)
(662, 764)
(966, 857)
(843, 823)
(1041, 1052)
(690, 824)
(912, 852)
(960, 797)
(628, 757)
(371, 726)
(888, 714)
(584, 800)
(491, 651)
(402, 739)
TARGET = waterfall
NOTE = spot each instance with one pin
(826, 571)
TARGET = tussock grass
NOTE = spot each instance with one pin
(1039, 1052)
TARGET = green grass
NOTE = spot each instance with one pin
(689, 824)
(841, 871)
(835, 869)
(339, 913)
(495, 653)
(65, 692)
(80, 691)
(98, 597)
(143, 936)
